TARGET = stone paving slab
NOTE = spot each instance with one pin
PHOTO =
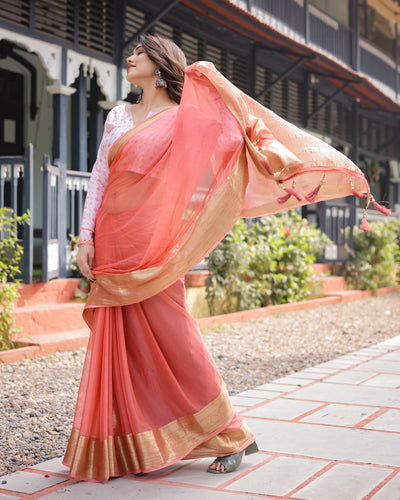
(330, 432)
(390, 491)
(284, 409)
(29, 482)
(341, 415)
(389, 421)
(279, 477)
(384, 380)
(273, 386)
(293, 380)
(391, 356)
(260, 394)
(53, 465)
(126, 488)
(349, 394)
(329, 442)
(380, 366)
(351, 377)
(194, 473)
(246, 402)
(344, 481)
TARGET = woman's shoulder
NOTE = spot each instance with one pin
(117, 112)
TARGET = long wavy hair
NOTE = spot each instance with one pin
(170, 59)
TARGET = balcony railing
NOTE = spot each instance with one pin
(325, 32)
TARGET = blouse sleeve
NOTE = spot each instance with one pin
(97, 185)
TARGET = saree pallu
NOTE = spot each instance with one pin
(150, 393)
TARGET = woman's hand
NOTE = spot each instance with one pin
(85, 260)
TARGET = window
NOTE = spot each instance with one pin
(337, 10)
(376, 28)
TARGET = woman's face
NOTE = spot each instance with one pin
(140, 67)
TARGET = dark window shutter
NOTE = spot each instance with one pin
(95, 25)
(15, 11)
(56, 18)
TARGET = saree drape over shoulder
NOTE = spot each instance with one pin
(150, 392)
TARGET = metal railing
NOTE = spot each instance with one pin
(330, 35)
(375, 63)
(64, 193)
(321, 29)
(77, 184)
(334, 219)
(16, 192)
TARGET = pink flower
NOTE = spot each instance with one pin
(286, 231)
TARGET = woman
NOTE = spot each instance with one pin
(173, 174)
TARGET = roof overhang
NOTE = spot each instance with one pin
(246, 24)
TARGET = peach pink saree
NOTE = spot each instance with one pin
(150, 393)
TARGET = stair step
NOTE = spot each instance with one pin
(322, 268)
(59, 341)
(43, 319)
(53, 292)
(46, 344)
(332, 284)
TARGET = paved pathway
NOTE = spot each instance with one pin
(331, 432)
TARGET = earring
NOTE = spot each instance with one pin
(160, 82)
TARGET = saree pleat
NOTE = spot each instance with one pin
(150, 393)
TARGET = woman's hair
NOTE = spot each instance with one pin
(170, 59)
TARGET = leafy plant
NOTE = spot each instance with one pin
(266, 262)
(374, 260)
(11, 252)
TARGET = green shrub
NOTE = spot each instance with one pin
(394, 225)
(374, 260)
(265, 263)
(11, 252)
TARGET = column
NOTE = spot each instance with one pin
(79, 124)
(59, 158)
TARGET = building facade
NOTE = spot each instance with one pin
(329, 67)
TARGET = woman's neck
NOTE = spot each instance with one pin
(154, 99)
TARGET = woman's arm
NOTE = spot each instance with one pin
(94, 198)
(97, 185)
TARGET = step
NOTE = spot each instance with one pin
(332, 284)
(40, 345)
(322, 268)
(53, 292)
(59, 341)
(43, 319)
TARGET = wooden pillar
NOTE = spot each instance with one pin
(79, 124)
(96, 120)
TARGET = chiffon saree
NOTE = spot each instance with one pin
(150, 393)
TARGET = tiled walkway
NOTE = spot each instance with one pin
(331, 432)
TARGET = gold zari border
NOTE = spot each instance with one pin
(96, 460)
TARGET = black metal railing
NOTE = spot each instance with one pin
(334, 220)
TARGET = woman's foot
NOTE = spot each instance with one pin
(230, 463)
